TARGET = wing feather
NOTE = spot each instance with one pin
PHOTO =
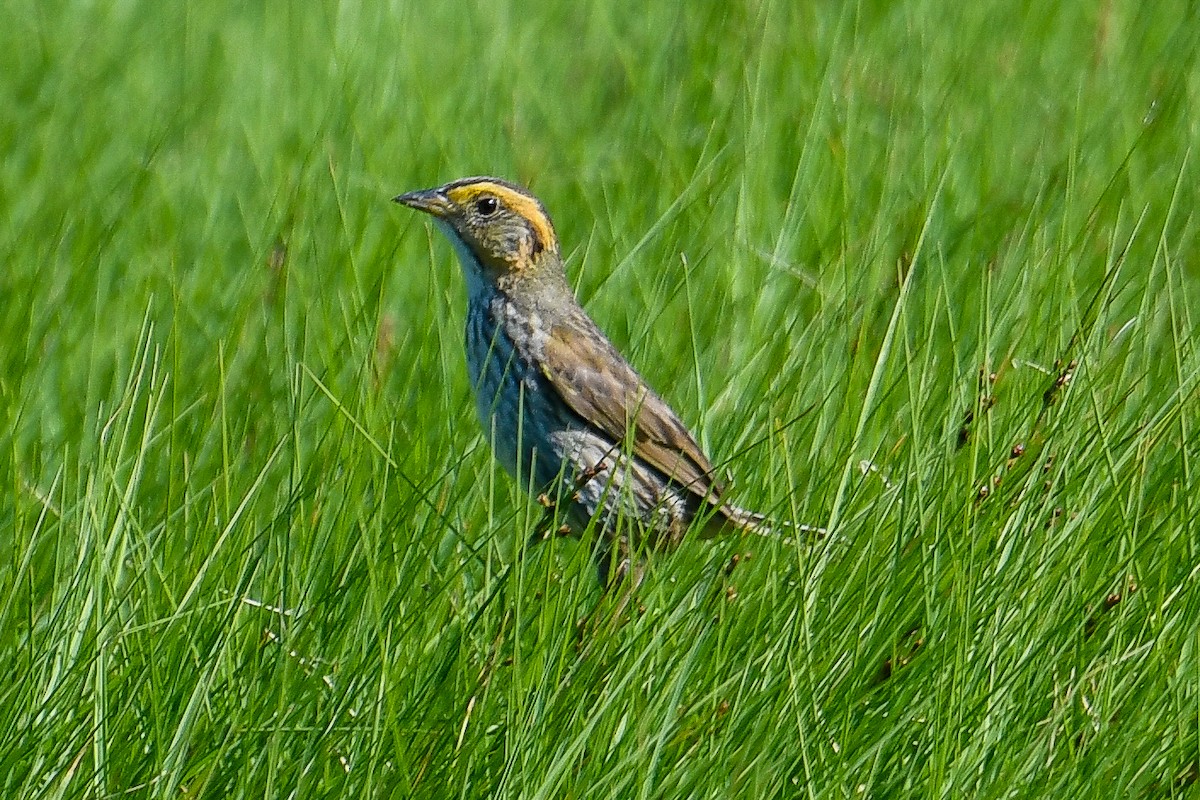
(601, 387)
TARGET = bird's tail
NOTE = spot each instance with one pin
(746, 521)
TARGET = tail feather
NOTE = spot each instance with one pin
(741, 519)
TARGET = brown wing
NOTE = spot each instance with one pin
(600, 386)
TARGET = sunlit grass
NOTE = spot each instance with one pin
(923, 274)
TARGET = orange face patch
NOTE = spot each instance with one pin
(518, 202)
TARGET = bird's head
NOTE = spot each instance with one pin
(499, 226)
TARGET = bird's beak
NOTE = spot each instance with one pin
(431, 201)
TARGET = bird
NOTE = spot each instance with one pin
(567, 415)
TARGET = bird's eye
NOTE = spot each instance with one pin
(486, 206)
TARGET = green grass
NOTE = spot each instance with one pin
(252, 543)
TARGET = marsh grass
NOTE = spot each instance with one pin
(924, 274)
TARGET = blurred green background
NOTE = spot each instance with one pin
(922, 272)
